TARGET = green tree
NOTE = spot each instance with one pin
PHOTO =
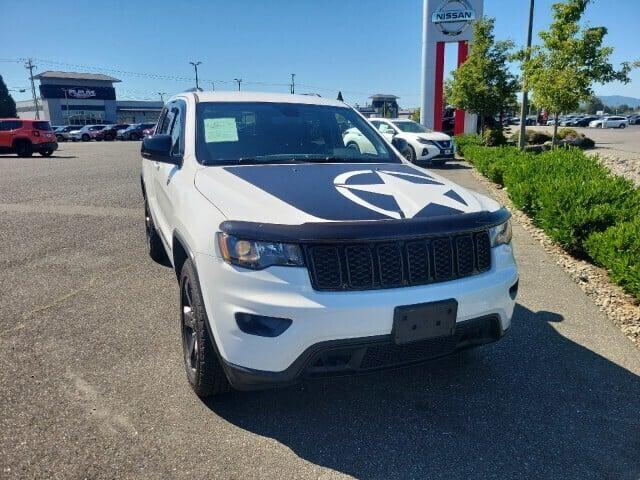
(7, 105)
(415, 116)
(562, 71)
(483, 84)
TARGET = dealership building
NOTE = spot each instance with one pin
(71, 98)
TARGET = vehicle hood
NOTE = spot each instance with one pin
(437, 136)
(296, 194)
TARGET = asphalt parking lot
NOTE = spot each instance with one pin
(92, 382)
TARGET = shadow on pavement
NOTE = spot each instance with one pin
(535, 405)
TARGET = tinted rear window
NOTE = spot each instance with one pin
(9, 125)
(42, 125)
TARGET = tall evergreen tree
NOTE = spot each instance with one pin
(7, 105)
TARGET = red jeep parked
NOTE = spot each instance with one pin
(23, 137)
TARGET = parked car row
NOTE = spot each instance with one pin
(596, 121)
(86, 133)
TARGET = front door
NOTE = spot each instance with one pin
(165, 186)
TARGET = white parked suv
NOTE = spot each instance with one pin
(298, 256)
(610, 122)
(425, 146)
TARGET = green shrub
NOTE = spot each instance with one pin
(618, 250)
(567, 133)
(493, 162)
(462, 141)
(493, 137)
(575, 200)
(565, 192)
(532, 137)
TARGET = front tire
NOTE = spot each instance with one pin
(622, 125)
(134, 136)
(204, 372)
(46, 153)
(412, 155)
(85, 138)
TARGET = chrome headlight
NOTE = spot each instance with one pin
(257, 255)
(500, 234)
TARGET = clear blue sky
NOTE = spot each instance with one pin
(360, 47)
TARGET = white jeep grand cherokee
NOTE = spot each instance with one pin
(298, 256)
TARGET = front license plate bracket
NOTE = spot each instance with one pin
(412, 323)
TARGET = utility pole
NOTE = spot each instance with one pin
(525, 92)
(30, 66)
(66, 103)
(213, 86)
(195, 66)
(293, 83)
(239, 80)
(162, 94)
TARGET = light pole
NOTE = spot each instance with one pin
(195, 67)
(239, 80)
(525, 93)
(213, 86)
(162, 94)
(293, 83)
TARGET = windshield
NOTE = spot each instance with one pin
(261, 132)
(411, 127)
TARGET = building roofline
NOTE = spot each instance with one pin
(76, 76)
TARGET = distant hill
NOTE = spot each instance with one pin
(615, 100)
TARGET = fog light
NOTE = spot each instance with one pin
(262, 326)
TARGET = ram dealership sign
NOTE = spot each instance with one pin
(453, 17)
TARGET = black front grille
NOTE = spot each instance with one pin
(365, 266)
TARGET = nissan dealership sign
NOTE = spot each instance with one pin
(452, 17)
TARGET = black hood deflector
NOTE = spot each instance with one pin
(391, 229)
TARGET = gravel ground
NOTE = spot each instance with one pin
(625, 164)
(92, 383)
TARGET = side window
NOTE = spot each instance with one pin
(9, 125)
(165, 121)
(376, 123)
(384, 128)
(177, 128)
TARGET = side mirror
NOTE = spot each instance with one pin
(158, 148)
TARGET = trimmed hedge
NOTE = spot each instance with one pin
(463, 141)
(575, 200)
(618, 250)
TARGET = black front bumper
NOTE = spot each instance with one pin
(41, 147)
(368, 354)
